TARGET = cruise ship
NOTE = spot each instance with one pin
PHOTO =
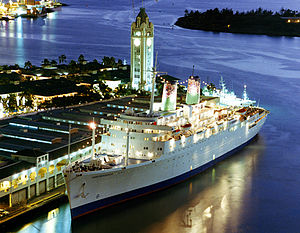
(143, 152)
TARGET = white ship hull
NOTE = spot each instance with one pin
(89, 191)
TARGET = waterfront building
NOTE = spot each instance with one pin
(142, 42)
(34, 147)
(291, 19)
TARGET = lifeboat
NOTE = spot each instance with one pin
(186, 126)
(176, 131)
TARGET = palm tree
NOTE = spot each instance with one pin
(80, 58)
(4, 102)
(29, 101)
(12, 103)
(62, 58)
(46, 62)
(27, 65)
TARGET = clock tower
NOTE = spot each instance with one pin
(142, 36)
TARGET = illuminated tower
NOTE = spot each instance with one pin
(142, 32)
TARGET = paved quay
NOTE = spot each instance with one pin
(31, 208)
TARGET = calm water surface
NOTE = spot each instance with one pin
(256, 190)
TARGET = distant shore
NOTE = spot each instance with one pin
(262, 22)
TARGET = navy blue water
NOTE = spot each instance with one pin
(257, 189)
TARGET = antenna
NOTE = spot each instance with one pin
(193, 70)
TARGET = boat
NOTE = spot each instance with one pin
(153, 155)
(8, 17)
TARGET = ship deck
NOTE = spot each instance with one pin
(86, 166)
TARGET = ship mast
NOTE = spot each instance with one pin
(93, 127)
(153, 85)
(127, 146)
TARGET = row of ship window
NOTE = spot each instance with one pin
(132, 147)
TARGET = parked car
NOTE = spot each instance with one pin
(3, 212)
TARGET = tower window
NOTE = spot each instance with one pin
(137, 42)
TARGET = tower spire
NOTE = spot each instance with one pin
(142, 47)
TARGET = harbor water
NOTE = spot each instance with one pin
(255, 190)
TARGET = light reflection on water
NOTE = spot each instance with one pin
(219, 206)
(56, 220)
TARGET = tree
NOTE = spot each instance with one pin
(29, 99)
(46, 62)
(109, 61)
(62, 58)
(27, 65)
(81, 58)
(5, 67)
(72, 63)
(119, 62)
(12, 103)
(15, 67)
(186, 13)
(53, 63)
(4, 102)
(72, 66)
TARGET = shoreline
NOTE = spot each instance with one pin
(259, 22)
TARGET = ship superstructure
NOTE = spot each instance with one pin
(228, 97)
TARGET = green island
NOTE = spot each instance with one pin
(286, 22)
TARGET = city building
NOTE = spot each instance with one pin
(142, 45)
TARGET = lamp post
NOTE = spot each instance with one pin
(127, 146)
(93, 127)
(69, 144)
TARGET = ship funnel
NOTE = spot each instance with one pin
(193, 90)
(169, 96)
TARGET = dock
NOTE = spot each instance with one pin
(26, 211)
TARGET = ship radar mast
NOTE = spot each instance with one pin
(222, 85)
(154, 73)
(245, 96)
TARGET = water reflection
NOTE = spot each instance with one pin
(219, 206)
(20, 43)
(56, 220)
